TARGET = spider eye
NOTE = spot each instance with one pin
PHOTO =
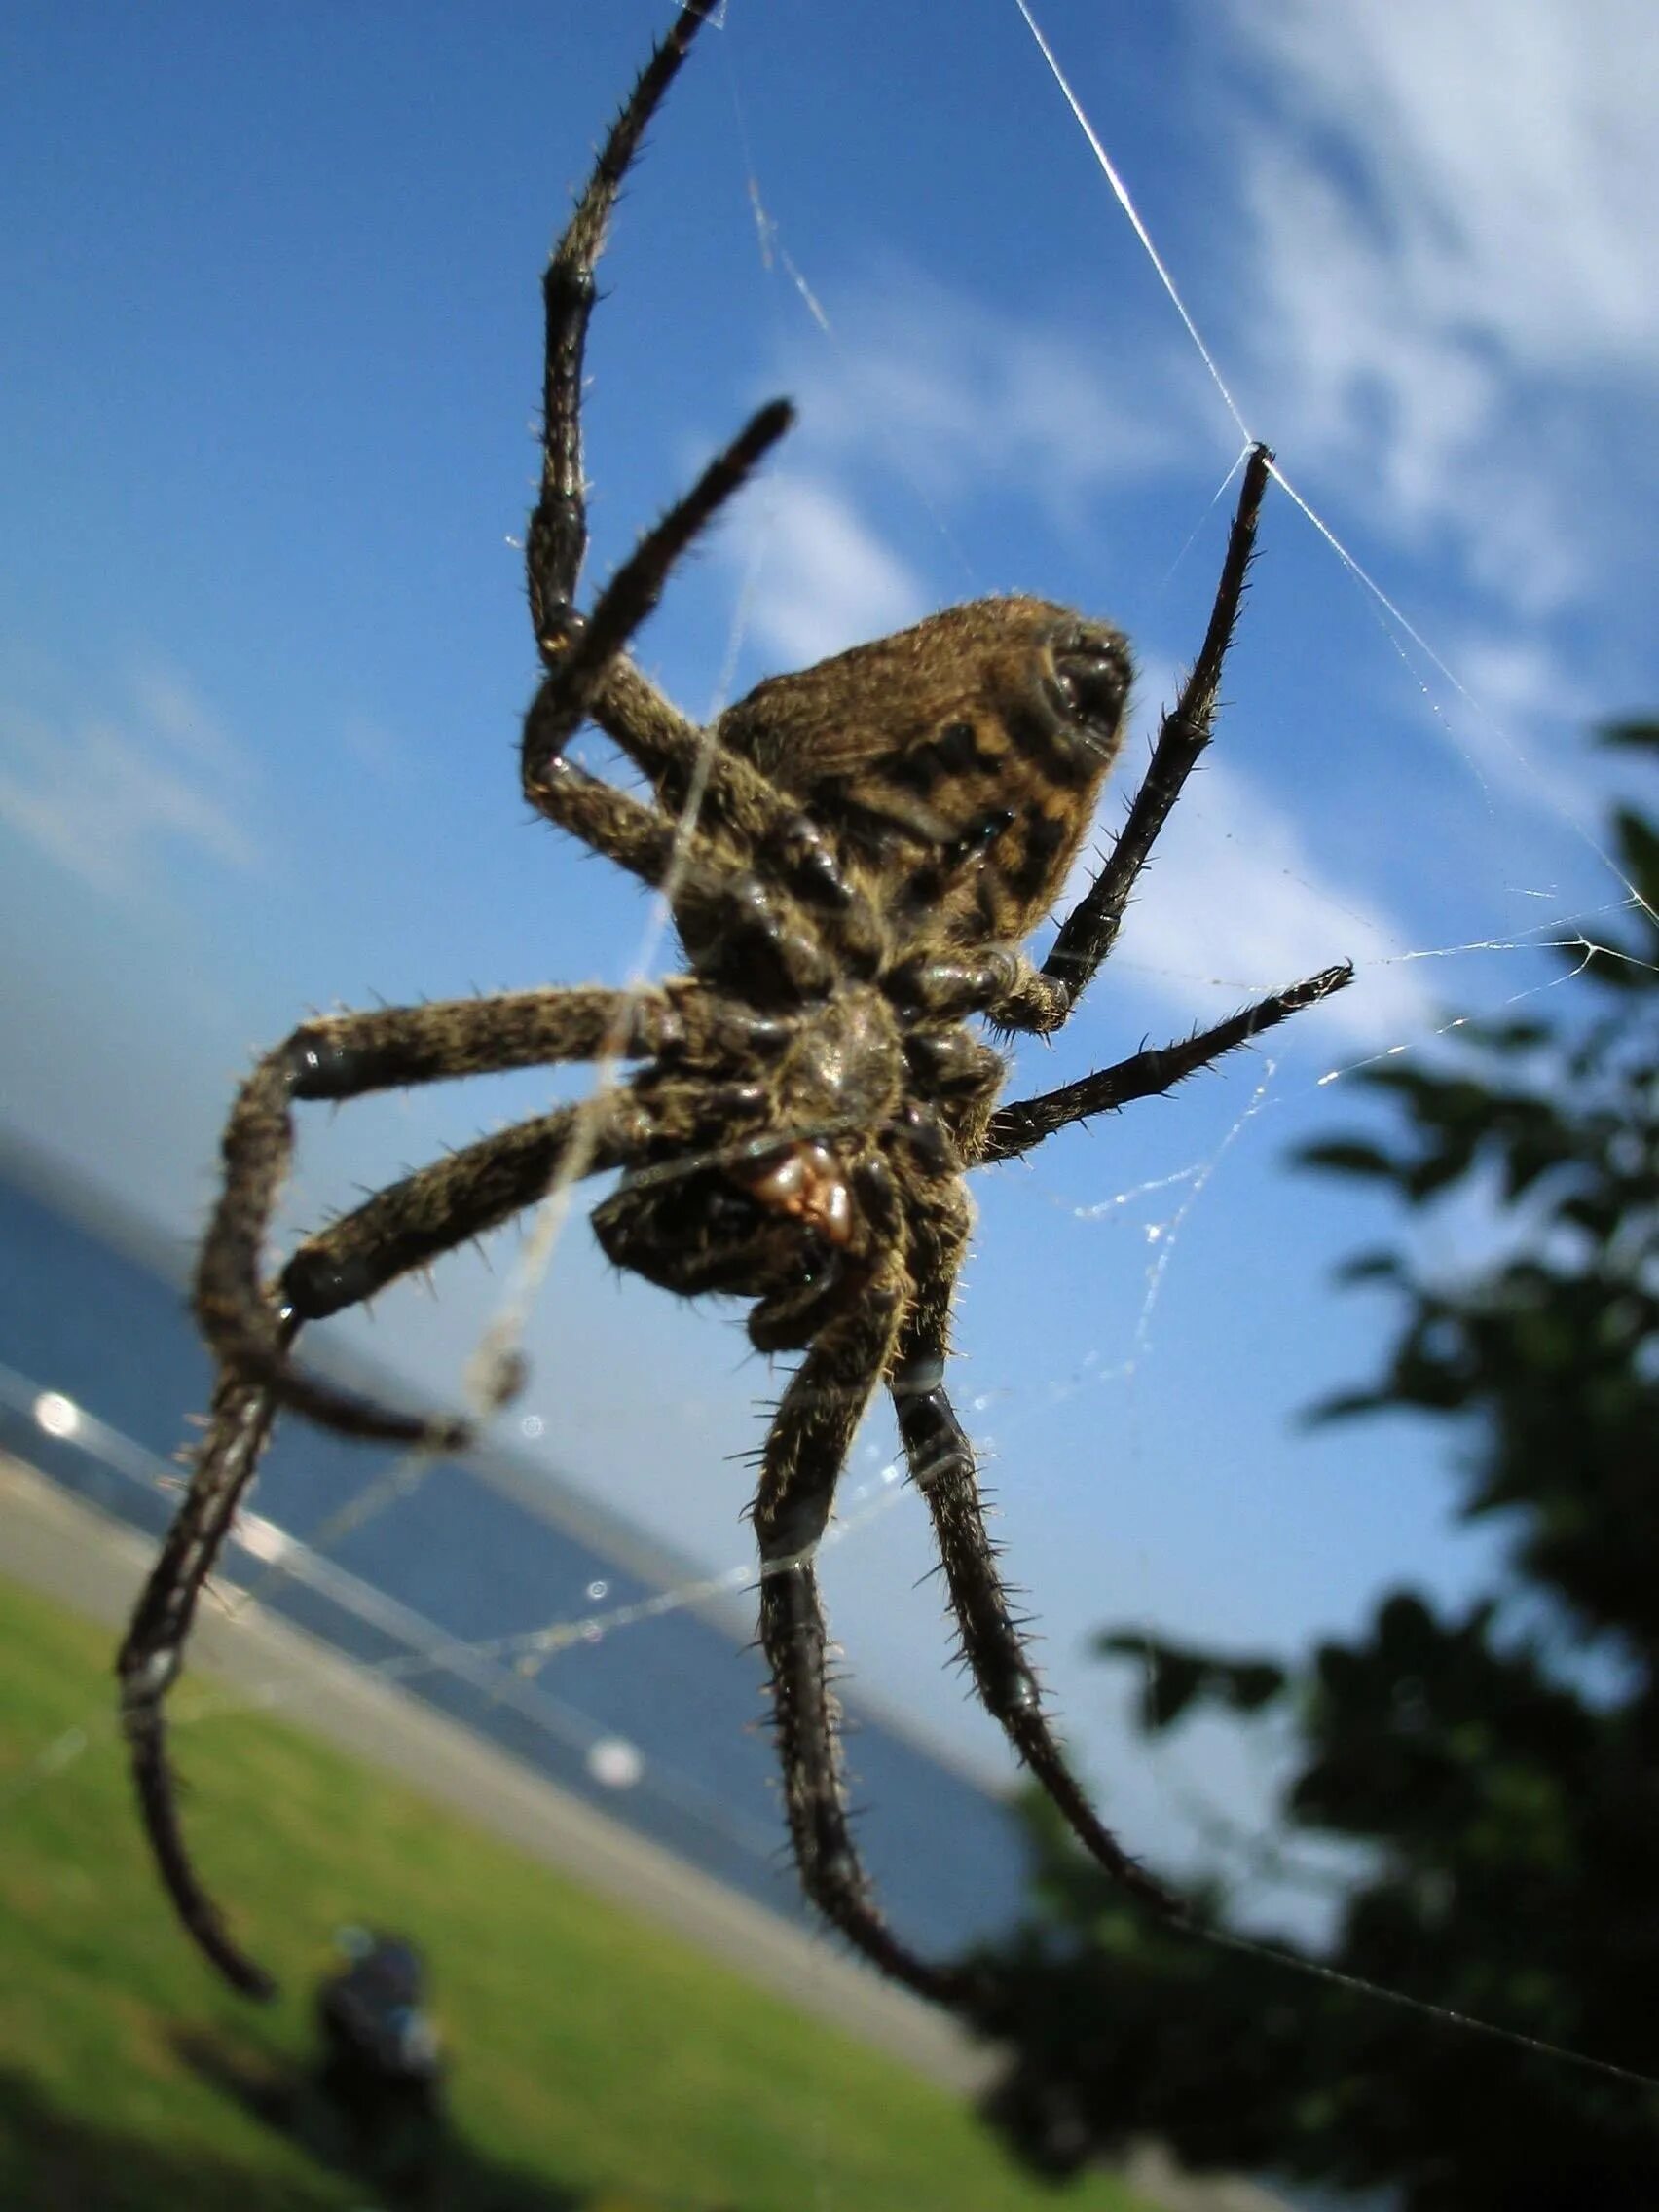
(1093, 683)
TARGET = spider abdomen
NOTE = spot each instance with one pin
(959, 761)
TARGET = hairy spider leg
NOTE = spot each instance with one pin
(806, 1450)
(1152, 1073)
(580, 649)
(557, 542)
(940, 1462)
(714, 897)
(347, 1057)
(1025, 998)
(1091, 930)
(1043, 1000)
(428, 1212)
(656, 737)
(438, 1207)
(686, 763)
(152, 1653)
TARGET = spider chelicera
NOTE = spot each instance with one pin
(873, 840)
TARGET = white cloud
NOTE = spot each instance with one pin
(1233, 906)
(957, 400)
(183, 720)
(1507, 153)
(1450, 214)
(112, 800)
(818, 579)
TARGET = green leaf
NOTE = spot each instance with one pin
(1350, 1155)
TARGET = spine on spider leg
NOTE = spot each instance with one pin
(152, 1654)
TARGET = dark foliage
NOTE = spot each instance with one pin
(1498, 1771)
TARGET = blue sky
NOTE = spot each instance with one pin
(271, 358)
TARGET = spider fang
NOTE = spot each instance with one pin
(805, 1182)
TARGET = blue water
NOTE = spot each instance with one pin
(479, 1552)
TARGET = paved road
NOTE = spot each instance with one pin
(95, 1564)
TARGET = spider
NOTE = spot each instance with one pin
(853, 856)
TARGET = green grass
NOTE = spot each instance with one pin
(598, 2062)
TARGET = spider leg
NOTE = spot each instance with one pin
(805, 1450)
(806, 1717)
(687, 765)
(447, 1203)
(151, 1655)
(557, 539)
(720, 907)
(578, 648)
(428, 1212)
(630, 709)
(717, 902)
(1091, 930)
(714, 896)
(346, 1056)
(1025, 1122)
(940, 1460)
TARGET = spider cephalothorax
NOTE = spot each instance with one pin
(872, 841)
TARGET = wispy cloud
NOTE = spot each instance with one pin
(920, 384)
(1448, 217)
(958, 399)
(115, 798)
(820, 579)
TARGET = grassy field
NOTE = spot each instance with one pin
(600, 2066)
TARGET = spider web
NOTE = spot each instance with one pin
(1144, 1311)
